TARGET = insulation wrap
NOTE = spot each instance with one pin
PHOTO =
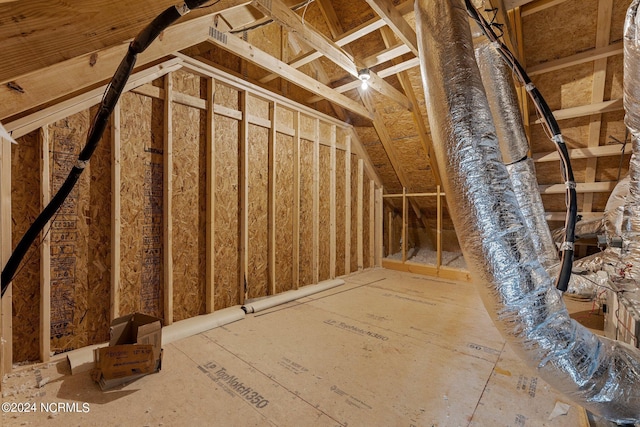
(631, 221)
(602, 375)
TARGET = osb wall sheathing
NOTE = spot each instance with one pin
(284, 212)
(541, 44)
(80, 239)
(99, 279)
(257, 200)
(25, 206)
(284, 202)
(573, 87)
(226, 237)
(341, 186)
(378, 155)
(189, 202)
(267, 38)
(141, 247)
(306, 212)
(324, 209)
(258, 167)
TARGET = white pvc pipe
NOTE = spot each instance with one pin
(265, 303)
(195, 325)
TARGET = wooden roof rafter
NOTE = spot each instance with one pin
(292, 21)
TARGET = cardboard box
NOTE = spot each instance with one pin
(135, 350)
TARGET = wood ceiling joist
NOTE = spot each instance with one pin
(43, 86)
(582, 153)
(262, 59)
(537, 6)
(581, 187)
(284, 16)
(605, 11)
(394, 19)
(388, 54)
(349, 37)
(579, 58)
(585, 110)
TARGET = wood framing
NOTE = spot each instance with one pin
(360, 215)
(116, 220)
(210, 198)
(167, 202)
(45, 249)
(348, 206)
(372, 223)
(295, 256)
(598, 88)
(315, 215)
(332, 203)
(262, 59)
(6, 311)
(271, 201)
(396, 22)
(243, 208)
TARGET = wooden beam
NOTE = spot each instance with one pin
(210, 200)
(262, 59)
(82, 102)
(6, 310)
(390, 15)
(348, 37)
(360, 215)
(167, 202)
(295, 256)
(581, 187)
(404, 224)
(315, 208)
(560, 216)
(379, 228)
(243, 202)
(586, 110)
(271, 201)
(332, 204)
(582, 153)
(116, 219)
(284, 16)
(391, 52)
(605, 10)
(45, 249)
(394, 69)
(372, 223)
(43, 86)
(512, 4)
(347, 205)
(532, 7)
(579, 58)
(438, 228)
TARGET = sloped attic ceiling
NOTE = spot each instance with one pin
(572, 48)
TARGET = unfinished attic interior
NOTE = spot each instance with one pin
(320, 212)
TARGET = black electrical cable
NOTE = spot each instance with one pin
(111, 96)
(567, 248)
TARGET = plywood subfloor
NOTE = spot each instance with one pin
(385, 349)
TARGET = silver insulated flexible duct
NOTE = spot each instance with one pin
(503, 102)
(631, 224)
(602, 375)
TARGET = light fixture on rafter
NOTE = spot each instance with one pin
(364, 75)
